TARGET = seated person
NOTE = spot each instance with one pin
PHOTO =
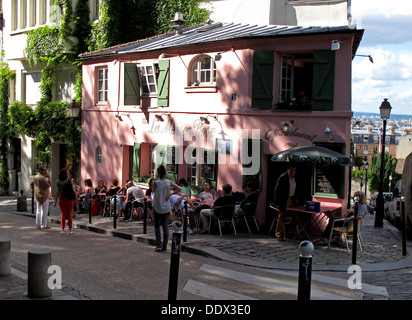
(178, 201)
(185, 189)
(133, 194)
(247, 206)
(362, 210)
(113, 189)
(226, 199)
(362, 205)
(88, 193)
(208, 194)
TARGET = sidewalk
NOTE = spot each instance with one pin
(382, 251)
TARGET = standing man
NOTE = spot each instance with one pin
(285, 197)
(41, 188)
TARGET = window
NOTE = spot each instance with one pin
(99, 155)
(191, 168)
(306, 80)
(32, 92)
(296, 79)
(102, 85)
(203, 71)
(42, 12)
(149, 75)
(14, 15)
(23, 14)
(33, 13)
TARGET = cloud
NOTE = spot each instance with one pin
(385, 22)
(387, 38)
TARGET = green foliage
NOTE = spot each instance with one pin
(166, 10)
(5, 129)
(42, 44)
(389, 170)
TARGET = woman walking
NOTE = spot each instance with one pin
(66, 195)
(161, 206)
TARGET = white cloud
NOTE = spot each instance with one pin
(388, 39)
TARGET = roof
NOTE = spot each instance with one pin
(215, 32)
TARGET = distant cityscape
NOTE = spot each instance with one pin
(371, 115)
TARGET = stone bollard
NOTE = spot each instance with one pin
(39, 261)
(5, 245)
(22, 203)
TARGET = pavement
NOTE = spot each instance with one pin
(381, 253)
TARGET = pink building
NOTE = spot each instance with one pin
(196, 99)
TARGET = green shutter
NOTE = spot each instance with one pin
(163, 84)
(131, 84)
(262, 86)
(323, 80)
(136, 162)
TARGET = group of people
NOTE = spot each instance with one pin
(163, 201)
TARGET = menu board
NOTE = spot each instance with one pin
(328, 179)
(171, 165)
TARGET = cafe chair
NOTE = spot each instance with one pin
(344, 227)
(250, 209)
(223, 214)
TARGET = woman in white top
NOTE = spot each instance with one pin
(161, 206)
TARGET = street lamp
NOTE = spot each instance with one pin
(74, 110)
(366, 167)
(385, 110)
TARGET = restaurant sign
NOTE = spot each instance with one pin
(270, 134)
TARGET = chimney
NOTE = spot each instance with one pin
(179, 22)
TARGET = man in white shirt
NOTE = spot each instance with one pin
(133, 194)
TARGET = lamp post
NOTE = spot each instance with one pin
(385, 111)
(366, 167)
(74, 110)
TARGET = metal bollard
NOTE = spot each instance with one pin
(184, 217)
(39, 261)
(403, 225)
(355, 231)
(115, 213)
(305, 270)
(90, 209)
(32, 202)
(21, 203)
(174, 260)
(145, 216)
(5, 245)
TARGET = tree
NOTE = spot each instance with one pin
(166, 10)
(389, 170)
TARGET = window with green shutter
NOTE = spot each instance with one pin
(262, 86)
(135, 161)
(131, 84)
(323, 80)
(163, 83)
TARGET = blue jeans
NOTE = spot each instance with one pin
(161, 219)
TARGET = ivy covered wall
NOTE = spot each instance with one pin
(58, 45)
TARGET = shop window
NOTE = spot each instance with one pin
(203, 71)
(102, 81)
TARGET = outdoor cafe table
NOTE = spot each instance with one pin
(311, 225)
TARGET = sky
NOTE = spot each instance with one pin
(388, 39)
